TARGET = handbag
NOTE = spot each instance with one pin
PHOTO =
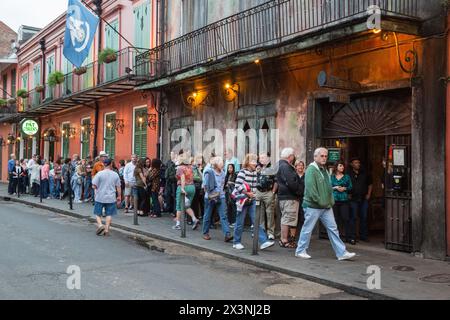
(187, 203)
(213, 196)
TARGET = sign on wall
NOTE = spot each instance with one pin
(29, 127)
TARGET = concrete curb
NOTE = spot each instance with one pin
(346, 288)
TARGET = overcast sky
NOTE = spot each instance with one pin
(35, 13)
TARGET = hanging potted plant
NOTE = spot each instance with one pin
(55, 78)
(3, 103)
(22, 93)
(39, 88)
(107, 55)
(79, 71)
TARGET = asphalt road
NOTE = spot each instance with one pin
(37, 247)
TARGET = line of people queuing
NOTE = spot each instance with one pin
(217, 188)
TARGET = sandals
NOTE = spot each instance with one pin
(100, 230)
(287, 245)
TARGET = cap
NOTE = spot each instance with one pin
(103, 154)
(107, 162)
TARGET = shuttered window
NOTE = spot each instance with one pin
(85, 138)
(65, 132)
(140, 132)
(110, 135)
(142, 22)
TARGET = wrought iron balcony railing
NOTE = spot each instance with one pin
(76, 82)
(271, 23)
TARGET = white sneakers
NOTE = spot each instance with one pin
(303, 255)
(347, 256)
(266, 245)
(271, 237)
(238, 246)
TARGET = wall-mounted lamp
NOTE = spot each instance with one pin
(70, 133)
(231, 91)
(150, 120)
(117, 124)
(87, 128)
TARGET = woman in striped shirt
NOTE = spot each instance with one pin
(248, 176)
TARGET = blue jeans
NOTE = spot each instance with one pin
(87, 187)
(327, 218)
(57, 189)
(156, 208)
(240, 219)
(360, 208)
(44, 188)
(52, 186)
(76, 188)
(222, 209)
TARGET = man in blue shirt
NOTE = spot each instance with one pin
(11, 167)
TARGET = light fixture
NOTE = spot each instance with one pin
(231, 91)
(150, 120)
(376, 31)
(257, 61)
(117, 124)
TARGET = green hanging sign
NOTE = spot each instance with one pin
(29, 127)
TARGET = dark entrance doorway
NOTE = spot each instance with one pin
(378, 131)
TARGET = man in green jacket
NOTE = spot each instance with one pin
(318, 203)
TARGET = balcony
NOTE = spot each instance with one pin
(81, 89)
(271, 24)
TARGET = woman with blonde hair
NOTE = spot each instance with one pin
(246, 184)
(185, 181)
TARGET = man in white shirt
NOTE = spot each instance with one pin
(130, 182)
(106, 184)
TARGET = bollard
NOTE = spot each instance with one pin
(40, 185)
(135, 202)
(183, 214)
(256, 228)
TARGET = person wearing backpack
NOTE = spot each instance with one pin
(265, 194)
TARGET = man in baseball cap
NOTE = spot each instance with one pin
(99, 165)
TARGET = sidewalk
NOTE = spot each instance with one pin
(349, 276)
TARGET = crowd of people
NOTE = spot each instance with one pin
(219, 192)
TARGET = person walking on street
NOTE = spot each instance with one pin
(130, 182)
(106, 185)
(318, 203)
(265, 194)
(246, 183)
(359, 197)
(11, 167)
(215, 198)
(342, 185)
(289, 193)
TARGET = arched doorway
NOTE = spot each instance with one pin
(376, 129)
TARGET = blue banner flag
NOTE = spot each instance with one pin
(81, 25)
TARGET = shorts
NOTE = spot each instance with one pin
(110, 209)
(289, 212)
(190, 190)
(130, 191)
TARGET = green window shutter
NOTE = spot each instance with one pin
(140, 132)
(146, 12)
(88, 77)
(65, 140)
(85, 138)
(68, 79)
(110, 136)
(112, 41)
(50, 67)
(37, 75)
(137, 26)
(24, 84)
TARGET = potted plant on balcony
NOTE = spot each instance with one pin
(39, 88)
(79, 71)
(55, 78)
(23, 93)
(3, 103)
(107, 55)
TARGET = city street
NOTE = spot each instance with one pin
(38, 246)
